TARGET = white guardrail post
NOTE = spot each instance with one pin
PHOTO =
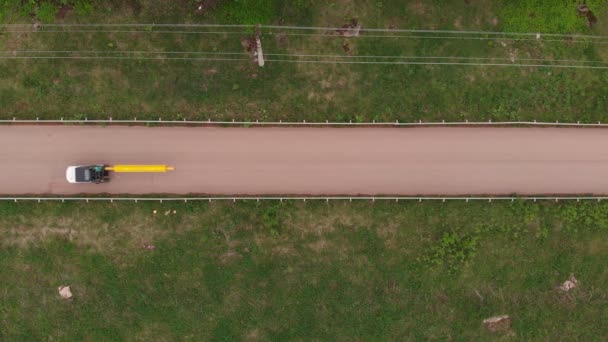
(420, 199)
(112, 121)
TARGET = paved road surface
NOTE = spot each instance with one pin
(311, 161)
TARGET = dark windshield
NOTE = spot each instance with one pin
(83, 174)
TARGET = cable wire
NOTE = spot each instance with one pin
(319, 28)
(130, 31)
(126, 58)
(332, 56)
(564, 66)
(445, 37)
(438, 57)
(441, 63)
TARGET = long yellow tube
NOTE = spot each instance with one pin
(140, 168)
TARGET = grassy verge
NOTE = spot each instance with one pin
(224, 271)
(225, 90)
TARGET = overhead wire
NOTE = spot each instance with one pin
(454, 34)
(485, 64)
(126, 58)
(325, 59)
(326, 56)
(441, 63)
(125, 31)
(315, 28)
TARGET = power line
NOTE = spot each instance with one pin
(443, 37)
(438, 31)
(126, 58)
(294, 55)
(118, 52)
(437, 57)
(442, 63)
(564, 66)
(130, 31)
(130, 25)
(319, 28)
(334, 35)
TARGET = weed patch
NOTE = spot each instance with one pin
(546, 15)
(453, 250)
(136, 273)
(226, 90)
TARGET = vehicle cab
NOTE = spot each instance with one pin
(87, 174)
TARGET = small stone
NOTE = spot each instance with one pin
(65, 292)
(569, 284)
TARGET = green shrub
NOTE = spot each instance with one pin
(587, 216)
(272, 219)
(26, 9)
(83, 8)
(248, 12)
(546, 15)
(453, 250)
(46, 12)
(4, 8)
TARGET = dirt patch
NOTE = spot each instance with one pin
(283, 250)
(388, 234)
(249, 45)
(584, 11)
(325, 84)
(318, 245)
(210, 71)
(253, 335)
(352, 29)
(346, 47)
(204, 6)
(417, 7)
(229, 257)
(596, 247)
(458, 23)
(281, 39)
(64, 11)
(329, 96)
(135, 6)
(340, 216)
(498, 324)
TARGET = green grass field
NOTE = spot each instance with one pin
(302, 271)
(225, 90)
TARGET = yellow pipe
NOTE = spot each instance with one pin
(140, 168)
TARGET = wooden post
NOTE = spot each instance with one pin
(258, 44)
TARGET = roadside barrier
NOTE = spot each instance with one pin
(304, 199)
(396, 123)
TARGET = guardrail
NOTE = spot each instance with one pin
(304, 199)
(303, 123)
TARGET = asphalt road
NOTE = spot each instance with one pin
(310, 161)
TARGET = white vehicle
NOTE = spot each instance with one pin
(87, 174)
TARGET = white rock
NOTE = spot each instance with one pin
(64, 292)
(569, 284)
